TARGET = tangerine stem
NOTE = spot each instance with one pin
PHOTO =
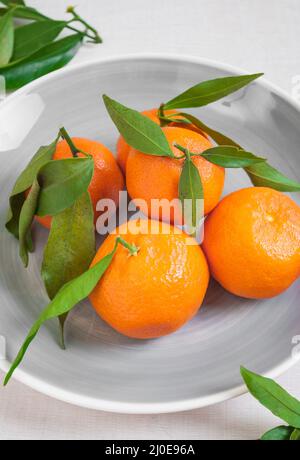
(69, 141)
(133, 250)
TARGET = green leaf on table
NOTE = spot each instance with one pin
(26, 218)
(25, 12)
(295, 436)
(190, 192)
(46, 60)
(6, 38)
(24, 182)
(280, 433)
(138, 130)
(32, 37)
(67, 297)
(218, 137)
(231, 157)
(264, 175)
(70, 248)
(273, 397)
(62, 182)
(210, 91)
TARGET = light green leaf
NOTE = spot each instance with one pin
(138, 130)
(32, 37)
(231, 157)
(264, 175)
(273, 397)
(218, 137)
(25, 12)
(295, 436)
(67, 297)
(210, 91)
(44, 61)
(6, 38)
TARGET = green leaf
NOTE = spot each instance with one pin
(25, 12)
(210, 91)
(24, 182)
(295, 436)
(264, 175)
(190, 191)
(273, 397)
(231, 157)
(280, 433)
(26, 217)
(44, 61)
(261, 174)
(32, 37)
(62, 182)
(138, 130)
(67, 297)
(218, 137)
(6, 38)
(70, 248)
(13, 2)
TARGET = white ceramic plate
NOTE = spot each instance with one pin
(198, 365)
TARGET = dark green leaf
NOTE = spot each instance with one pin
(190, 192)
(68, 296)
(6, 38)
(70, 248)
(231, 157)
(264, 175)
(273, 397)
(138, 130)
(295, 436)
(32, 37)
(210, 91)
(280, 433)
(62, 182)
(26, 217)
(218, 137)
(44, 61)
(24, 182)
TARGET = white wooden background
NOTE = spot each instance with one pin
(253, 34)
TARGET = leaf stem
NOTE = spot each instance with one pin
(96, 38)
(133, 250)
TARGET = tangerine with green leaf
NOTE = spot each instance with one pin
(107, 180)
(153, 177)
(123, 148)
(156, 291)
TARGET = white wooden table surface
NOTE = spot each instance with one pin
(253, 34)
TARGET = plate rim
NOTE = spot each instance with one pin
(121, 407)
